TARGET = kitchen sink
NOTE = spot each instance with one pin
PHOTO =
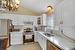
(48, 34)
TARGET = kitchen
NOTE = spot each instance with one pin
(50, 26)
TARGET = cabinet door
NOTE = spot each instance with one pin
(39, 21)
(44, 20)
(52, 47)
(42, 41)
(35, 36)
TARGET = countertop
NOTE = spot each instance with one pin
(3, 36)
(61, 41)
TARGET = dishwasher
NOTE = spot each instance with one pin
(16, 38)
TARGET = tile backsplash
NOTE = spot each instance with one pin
(69, 31)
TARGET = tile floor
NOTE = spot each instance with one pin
(26, 46)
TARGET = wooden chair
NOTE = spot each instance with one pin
(3, 44)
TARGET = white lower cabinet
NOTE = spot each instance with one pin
(35, 36)
(42, 41)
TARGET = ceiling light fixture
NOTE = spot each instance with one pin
(11, 5)
(50, 10)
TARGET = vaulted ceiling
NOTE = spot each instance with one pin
(39, 6)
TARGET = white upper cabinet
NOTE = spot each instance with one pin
(44, 16)
(44, 21)
(41, 20)
(19, 19)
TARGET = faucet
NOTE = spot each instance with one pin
(61, 30)
(51, 31)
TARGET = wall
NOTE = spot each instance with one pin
(69, 18)
(65, 12)
(58, 15)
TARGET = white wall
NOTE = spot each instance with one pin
(69, 18)
(65, 12)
